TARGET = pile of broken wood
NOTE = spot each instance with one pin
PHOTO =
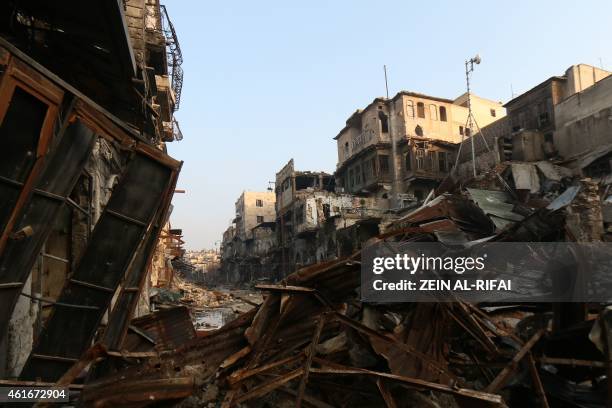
(313, 343)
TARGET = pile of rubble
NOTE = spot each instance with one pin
(312, 342)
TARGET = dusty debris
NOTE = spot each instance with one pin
(312, 337)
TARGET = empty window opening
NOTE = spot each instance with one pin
(260, 219)
(373, 166)
(286, 185)
(326, 211)
(493, 113)
(329, 183)
(442, 113)
(384, 164)
(384, 122)
(420, 159)
(420, 109)
(543, 120)
(443, 161)
(304, 182)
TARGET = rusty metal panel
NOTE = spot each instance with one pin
(169, 328)
(54, 186)
(135, 277)
(133, 203)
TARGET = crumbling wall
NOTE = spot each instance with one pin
(583, 120)
(584, 220)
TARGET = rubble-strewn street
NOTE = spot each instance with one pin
(305, 295)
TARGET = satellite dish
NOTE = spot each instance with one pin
(477, 59)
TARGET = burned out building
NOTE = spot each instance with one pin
(311, 210)
(86, 183)
(292, 187)
(424, 130)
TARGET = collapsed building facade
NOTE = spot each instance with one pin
(312, 222)
(88, 92)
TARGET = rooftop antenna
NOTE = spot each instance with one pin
(471, 120)
(469, 68)
(386, 84)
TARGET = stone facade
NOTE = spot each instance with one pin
(367, 163)
(253, 208)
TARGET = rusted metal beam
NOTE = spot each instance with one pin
(243, 374)
(269, 386)
(338, 369)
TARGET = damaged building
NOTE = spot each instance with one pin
(405, 145)
(248, 240)
(88, 92)
(312, 222)
(538, 122)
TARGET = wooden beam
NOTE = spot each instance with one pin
(311, 352)
(504, 375)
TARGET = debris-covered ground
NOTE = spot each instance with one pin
(210, 308)
(311, 342)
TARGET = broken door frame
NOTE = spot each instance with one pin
(19, 75)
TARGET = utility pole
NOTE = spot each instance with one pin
(469, 68)
(395, 188)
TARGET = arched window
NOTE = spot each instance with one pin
(442, 113)
(420, 109)
(409, 109)
(418, 130)
(433, 112)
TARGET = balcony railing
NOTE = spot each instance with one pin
(174, 55)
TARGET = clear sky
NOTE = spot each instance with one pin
(267, 81)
